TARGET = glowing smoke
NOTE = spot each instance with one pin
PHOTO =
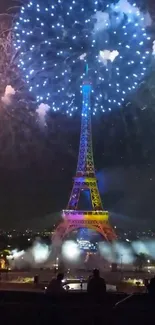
(153, 48)
(42, 111)
(70, 250)
(16, 254)
(106, 251)
(35, 256)
(119, 252)
(126, 253)
(82, 56)
(9, 93)
(151, 248)
(122, 8)
(40, 252)
(102, 21)
(140, 247)
(147, 20)
(107, 55)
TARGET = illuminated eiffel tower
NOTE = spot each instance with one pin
(96, 219)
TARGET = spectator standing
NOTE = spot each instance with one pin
(96, 286)
(55, 287)
(151, 287)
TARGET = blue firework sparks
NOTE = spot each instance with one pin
(56, 39)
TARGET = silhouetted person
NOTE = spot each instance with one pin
(96, 286)
(36, 279)
(151, 287)
(55, 287)
(146, 283)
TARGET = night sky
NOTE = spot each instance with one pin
(36, 175)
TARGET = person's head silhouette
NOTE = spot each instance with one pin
(60, 276)
(96, 273)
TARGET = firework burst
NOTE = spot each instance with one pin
(57, 39)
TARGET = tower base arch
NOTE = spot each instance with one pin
(94, 220)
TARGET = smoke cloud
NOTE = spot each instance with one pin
(70, 250)
(124, 7)
(126, 253)
(147, 19)
(107, 55)
(40, 254)
(102, 21)
(9, 93)
(82, 56)
(42, 111)
(153, 48)
(35, 256)
(107, 19)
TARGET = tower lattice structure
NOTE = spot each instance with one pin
(84, 180)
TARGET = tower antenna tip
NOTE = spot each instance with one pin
(87, 68)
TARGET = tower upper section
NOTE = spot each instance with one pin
(85, 166)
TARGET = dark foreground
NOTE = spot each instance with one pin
(74, 308)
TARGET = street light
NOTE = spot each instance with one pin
(57, 263)
(121, 266)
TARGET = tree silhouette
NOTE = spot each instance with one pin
(140, 261)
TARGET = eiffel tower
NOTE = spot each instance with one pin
(85, 180)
